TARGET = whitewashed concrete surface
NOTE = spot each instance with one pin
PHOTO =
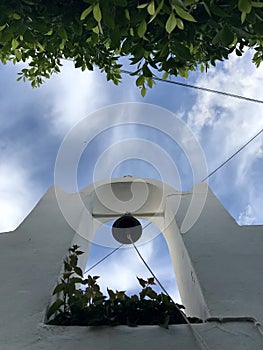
(218, 264)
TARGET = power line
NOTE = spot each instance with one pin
(249, 99)
(216, 92)
(233, 155)
(105, 257)
(150, 270)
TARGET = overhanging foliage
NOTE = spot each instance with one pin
(170, 36)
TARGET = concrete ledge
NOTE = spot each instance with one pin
(216, 336)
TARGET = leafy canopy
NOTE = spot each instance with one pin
(169, 36)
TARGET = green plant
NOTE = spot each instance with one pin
(169, 36)
(89, 307)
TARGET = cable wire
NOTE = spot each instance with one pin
(249, 99)
(233, 155)
(151, 271)
(217, 92)
(105, 257)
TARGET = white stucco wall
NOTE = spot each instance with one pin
(218, 266)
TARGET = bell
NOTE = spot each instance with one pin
(127, 229)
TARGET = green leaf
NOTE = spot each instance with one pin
(180, 23)
(244, 6)
(160, 6)
(227, 37)
(62, 44)
(171, 23)
(115, 38)
(142, 282)
(59, 288)
(18, 55)
(165, 75)
(29, 37)
(2, 27)
(50, 32)
(62, 33)
(140, 80)
(73, 258)
(206, 8)
(15, 43)
(97, 12)
(127, 15)
(16, 16)
(150, 82)
(67, 274)
(151, 293)
(183, 72)
(182, 51)
(54, 307)
(112, 295)
(86, 12)
(144, 291)
(146, 71)
(243, 17)
(76, 280)
(79, 252)
(78, 271)
(74, 248)
(183, 14)
(121, 295)
(134, 298)
(216, 38)
(151, 280)
(142, 28)
(151, 8)
(96, 30)
(142, 6)
(257, 4)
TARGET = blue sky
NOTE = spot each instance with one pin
(34, 123)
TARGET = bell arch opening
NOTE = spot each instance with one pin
(121, 267)
(151, 200)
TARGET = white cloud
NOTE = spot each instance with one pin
(16, 195)
(120, 270)
(252, 214)
(246, 217)
(70, 96)
(73, 95)
(237, 76)
(33, 118)
(224, 124)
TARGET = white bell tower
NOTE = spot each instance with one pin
(218, 267)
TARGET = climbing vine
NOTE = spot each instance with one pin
(88, 306)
